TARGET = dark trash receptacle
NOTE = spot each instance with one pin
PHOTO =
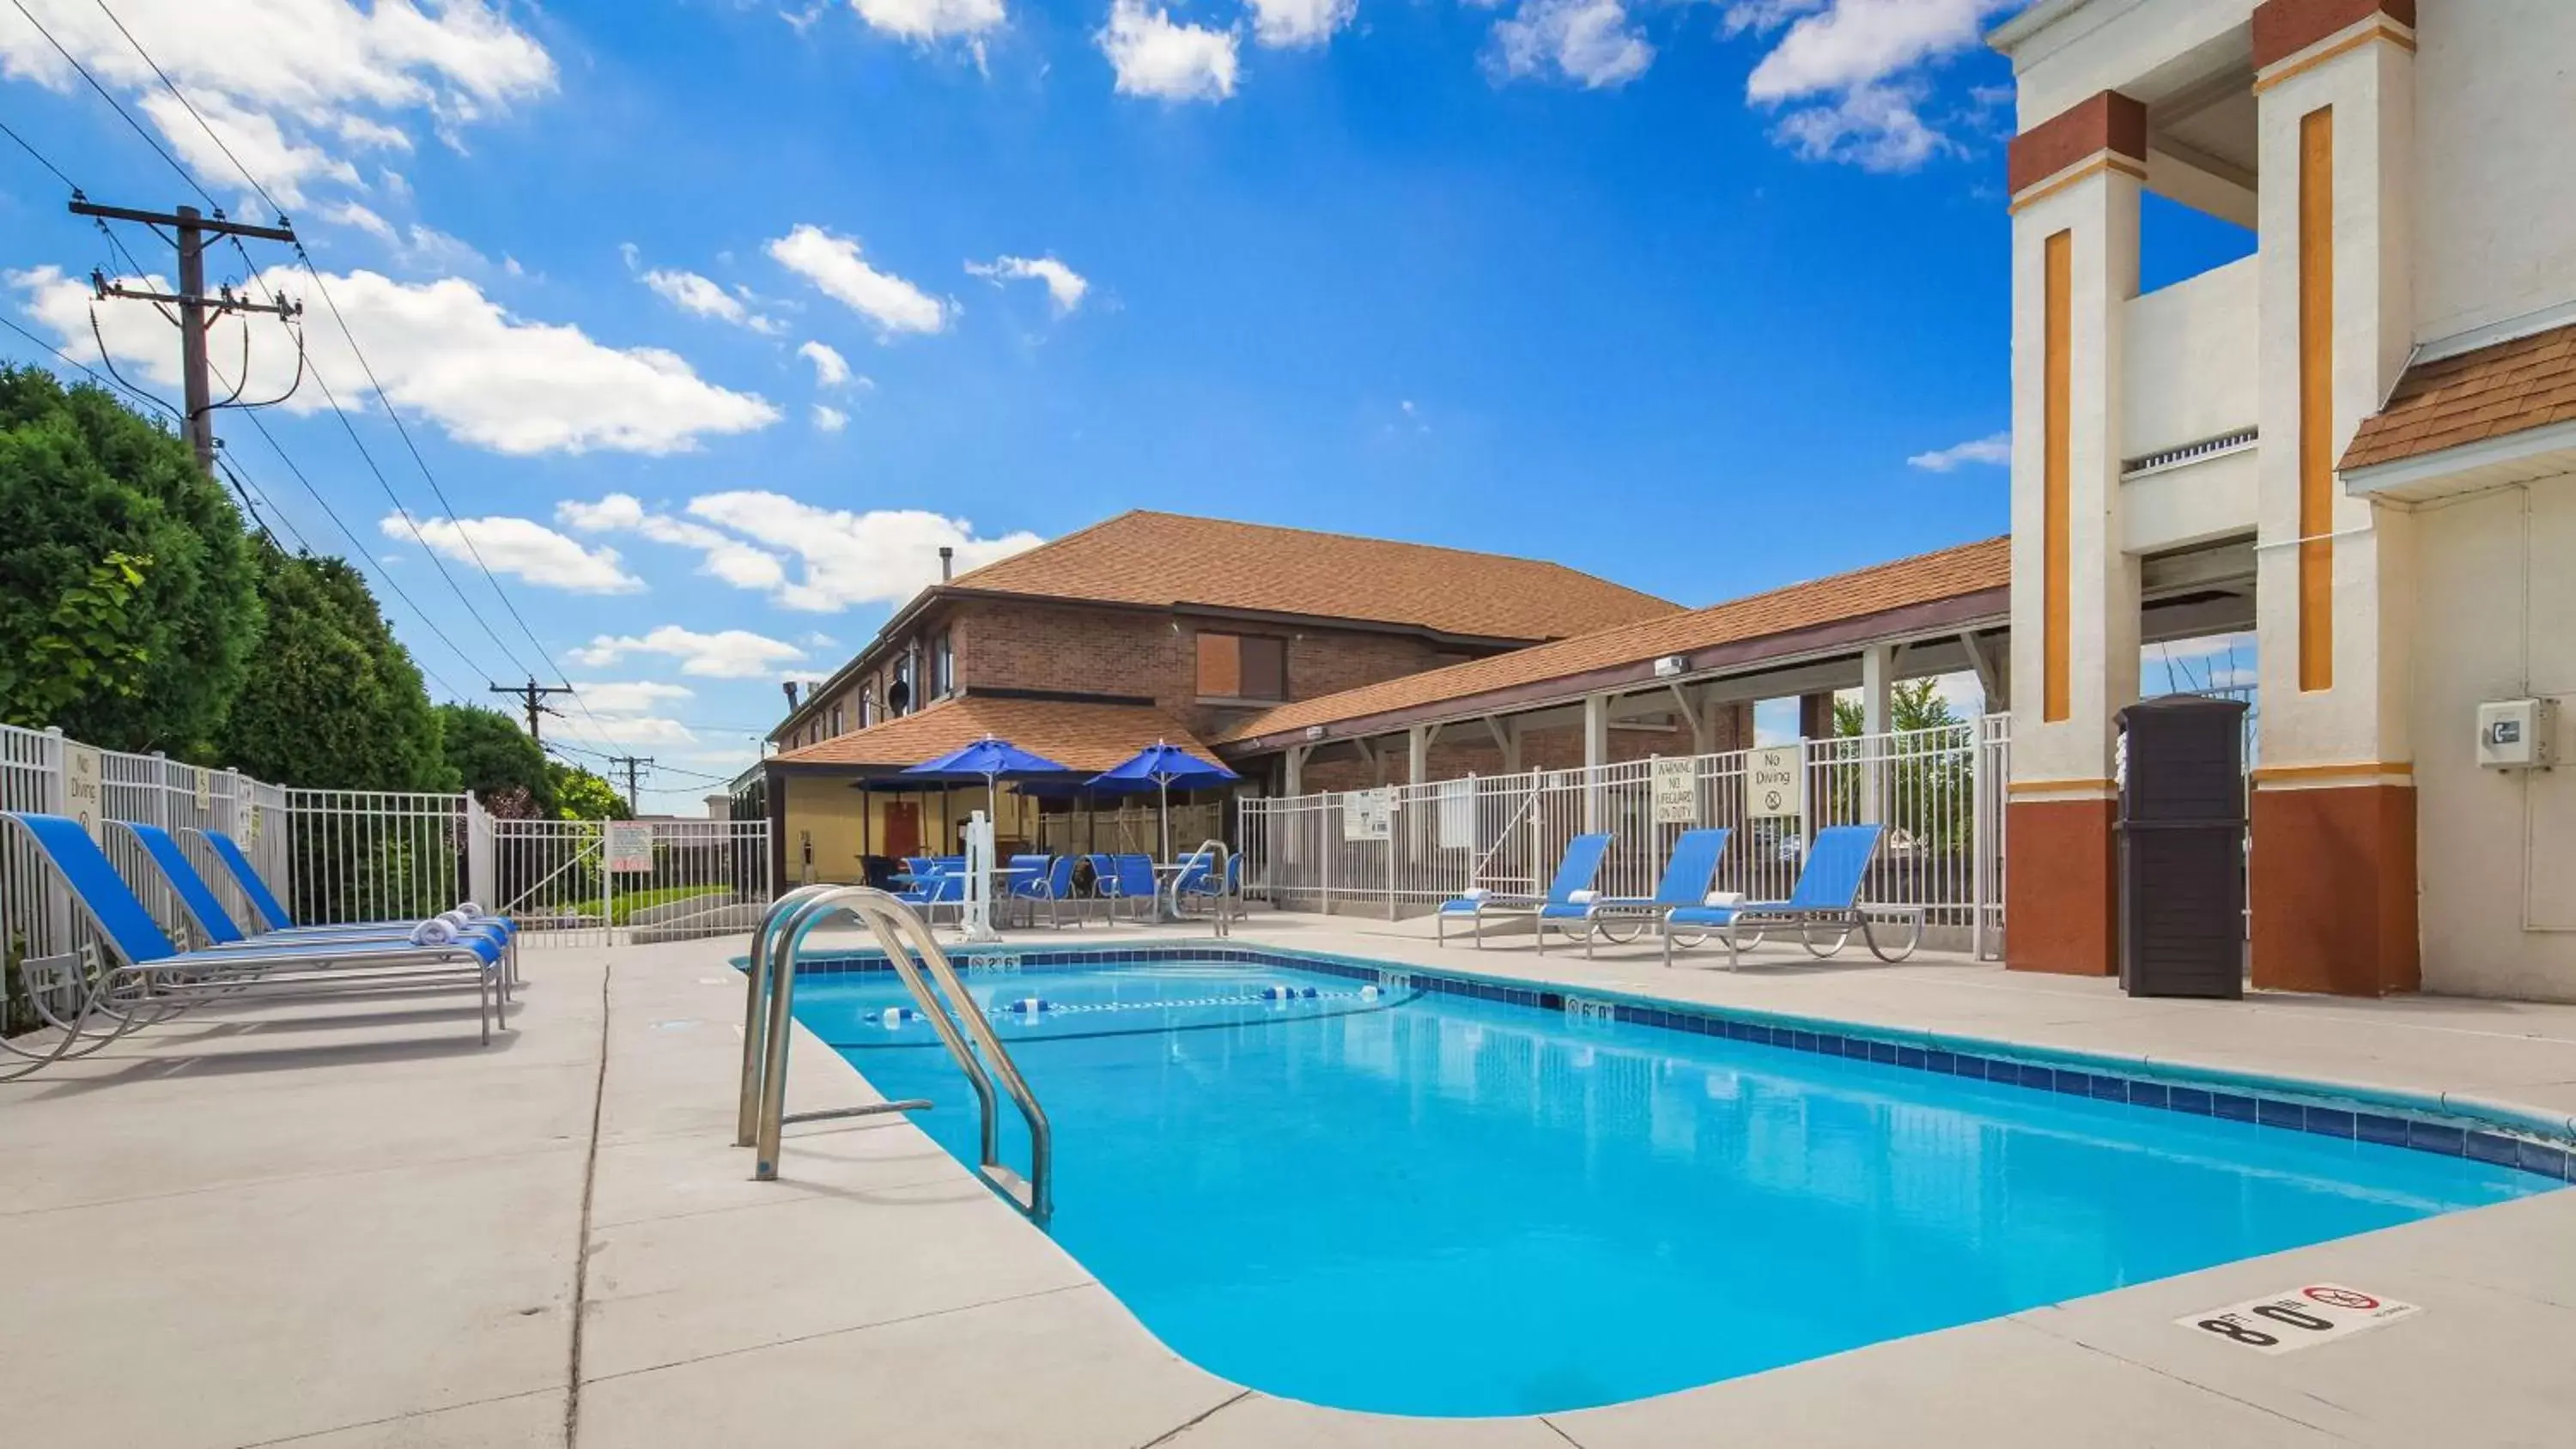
(2182, 847)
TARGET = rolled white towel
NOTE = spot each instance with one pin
(436, 931)
(457, 918)
(1584, 898)
(470, 908)
(1474, 893)
(1725, 898)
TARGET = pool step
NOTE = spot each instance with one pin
(1009, 1184)
(834, 1114)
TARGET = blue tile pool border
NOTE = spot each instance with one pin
(2446, 1125)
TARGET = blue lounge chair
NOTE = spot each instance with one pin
(1049, 878)
(273, 918)
(1582, 862)
(215, 926)
(1687, 872)
(141, 958)
(1827, 894)
(1131, 879)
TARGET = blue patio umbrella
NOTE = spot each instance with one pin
(1160, 766)
(991, 761)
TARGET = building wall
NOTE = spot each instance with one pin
(2496, 198)
(2497, 848)
(1155, 656)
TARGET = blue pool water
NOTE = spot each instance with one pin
(1440, 1206)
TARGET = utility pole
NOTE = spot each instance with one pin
(196, 310)
(533, 696)
(632, 763)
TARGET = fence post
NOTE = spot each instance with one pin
(481, 884)
(1328, 837)
(58, 801)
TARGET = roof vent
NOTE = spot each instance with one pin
(789, 685)
(947, 563)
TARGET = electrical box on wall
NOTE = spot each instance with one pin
(2518, 734)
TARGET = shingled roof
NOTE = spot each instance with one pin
(1164, 559)
(1976, 577)
(2528, 382)
(1080, 735)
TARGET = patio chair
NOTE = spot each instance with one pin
(1050, 879)
(932, 889)
(1827, 895)
(140, 959)
(1573, 875)
(1120, 879)
(1197, 881)
(1687, 873)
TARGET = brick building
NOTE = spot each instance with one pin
(1145, 626)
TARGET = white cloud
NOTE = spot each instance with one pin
(1846, 71)
(1156, 56)
(1761, 17)
(832, 264)
(1294, 23)
(829, 420)
(883, 556)
(415, 247)
(725, 654)
(520, 547)
(443, 351)
(1590, 42)
(726, 558)
(282, 164)
(1995, 449)
(929, 20)
(831, 369)
(703, 297)
(636, 697)
(278, 79)
(1063, 283)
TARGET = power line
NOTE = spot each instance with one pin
(30, 148)
(190, 106)
(360, 551)
(102, 379)
(374, 383)
(119, 106)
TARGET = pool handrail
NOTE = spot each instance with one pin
(900, 932)
(1215, 879)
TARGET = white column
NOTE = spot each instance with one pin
(1596, 755)
(1877, 683)
(1417, 754)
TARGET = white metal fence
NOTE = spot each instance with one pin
(1402, 850)
(355, 855)
(698, 878)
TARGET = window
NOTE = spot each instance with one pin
(943, 668)
(868, 710)
(1242, 666)
(899, 693)
(836, 719)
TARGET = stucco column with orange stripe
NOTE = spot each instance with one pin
(2333, 870)
(2074, 180)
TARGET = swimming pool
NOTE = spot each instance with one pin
(1334, 1185)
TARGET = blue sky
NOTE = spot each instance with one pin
(712, 320)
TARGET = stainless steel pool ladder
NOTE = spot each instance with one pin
(768, 1024)
(1228, 897)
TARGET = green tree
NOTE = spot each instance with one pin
(332, 701)
(495, 759)
(581, 795)
(120, 564)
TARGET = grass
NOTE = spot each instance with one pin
(629, 902)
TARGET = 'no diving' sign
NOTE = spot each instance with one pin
(2299, 1318)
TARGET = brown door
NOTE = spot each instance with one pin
(902, 828)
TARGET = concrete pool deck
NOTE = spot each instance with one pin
(342, 1224)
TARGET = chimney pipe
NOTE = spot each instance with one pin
(947, 563)
(789, 685)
